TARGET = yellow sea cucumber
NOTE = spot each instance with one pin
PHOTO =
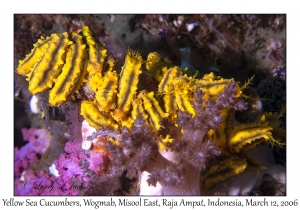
(95, 81)
(166, 87)
(128, 84)
(96, 118)
(170, 105)
(49, 67)
(97, 52)
(137, 111)
(247, 134)
(222, 172)
(212, 85)
(182, 91)
(33, 58)
(152, 107)
(168, 78)
(106, 94)
(155, 66)
(73, 73)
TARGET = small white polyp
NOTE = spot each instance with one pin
(34, 105)
(86, 145)
(53, 170)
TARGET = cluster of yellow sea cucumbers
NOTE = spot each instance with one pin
(62, 63)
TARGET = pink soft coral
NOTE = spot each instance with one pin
(38, 141)
(75, 167)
